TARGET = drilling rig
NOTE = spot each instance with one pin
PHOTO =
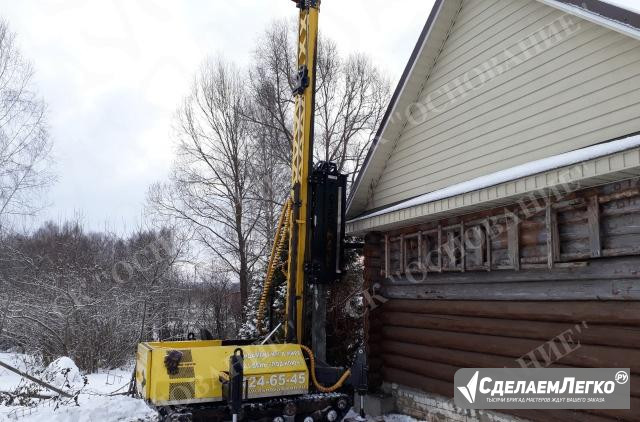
(250, 380)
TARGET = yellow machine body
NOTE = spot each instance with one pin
(271, 370)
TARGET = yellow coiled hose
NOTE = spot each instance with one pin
(279, 241)
(318, 386)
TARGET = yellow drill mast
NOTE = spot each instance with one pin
(293, 224)
(301, 164)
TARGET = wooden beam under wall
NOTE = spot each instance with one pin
(603, 335)
(420, 266)
(487, 225)
(425, 257)
(553, 236)
(462, 248)
(412, 266)
(450, 248)
(402, 255)
(513, 236)
(596, 311)
(387, 256)
(629, 193)
(584, 356)
(478, 246)
(593, 218)
(439, 248)
(618, 268)
(603, 289)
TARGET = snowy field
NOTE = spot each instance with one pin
(98, 400)
(95, 402)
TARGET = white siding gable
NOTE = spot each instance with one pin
(516, 81)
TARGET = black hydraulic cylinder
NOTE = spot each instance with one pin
(360, 377)
(236, 382)
(328, 205)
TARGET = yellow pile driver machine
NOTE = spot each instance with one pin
(221, 380)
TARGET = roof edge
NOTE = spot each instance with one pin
(611, 16)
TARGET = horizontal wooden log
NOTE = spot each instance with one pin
(606, 289)
(630, 193)
(583, 356)
(615, 212)
(459, 358)
(439, 371)
(425, 357)
(411, 379)
(620, 268)
(603, 335)
(445, 389)
(539, 265)
(630, 415)
(614, 313)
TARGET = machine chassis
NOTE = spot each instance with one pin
(290, 409)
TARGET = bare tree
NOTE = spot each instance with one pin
(92, 296)
(212, 186)
(351, 97)
(273, 175)
(217, 303)
(272, 80)
(24, 142)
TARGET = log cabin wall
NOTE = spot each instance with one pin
(551, 282)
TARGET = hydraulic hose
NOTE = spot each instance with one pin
(279, 241)
(318, 386)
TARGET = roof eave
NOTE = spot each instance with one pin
(604, 14)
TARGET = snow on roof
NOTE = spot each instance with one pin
(618, 17)
(513, 173)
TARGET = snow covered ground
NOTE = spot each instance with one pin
(95, 401)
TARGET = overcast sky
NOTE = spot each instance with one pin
(113, 72)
